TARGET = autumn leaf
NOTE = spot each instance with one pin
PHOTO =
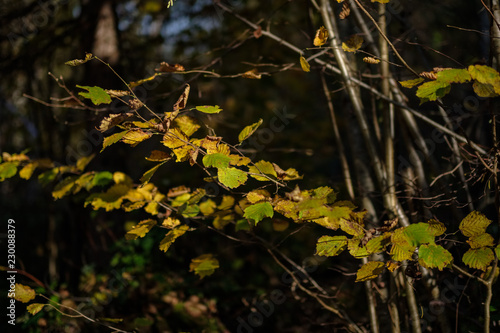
(353, 43)
(304, 64)
(204, 265)
(321, 37)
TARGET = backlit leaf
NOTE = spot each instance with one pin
(209, 109)
(175, 138)
(204, 265)
(321, 37)
(172, 236)
(109, 200)
(84, 161)
(188, 125)
(114, 138)
(353, 43)
(27, 171)
(356, 249)
(478, 258)
(258, 195)
(139, 82)
(474, 224)
(23, 293)
(418, 234)
(481, 240)
(96, 94)
(304, 64)
(370, 271)
(216, 160)
(64, 187)
(35, 308)
(378, 244)
(435, 227)
(248, 131)
(454, 75)
(146, 177)
(434, 256)
(259, 211)
(411, 83)
(207, 207)
(7, 170)
(135, 136)
(401, 248)
(351, 227)
(140, 230)
(432, 90)
(231, 177)
(484, 89)
(330, 246)
(265, 168)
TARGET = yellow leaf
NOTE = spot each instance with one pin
(321, 37)
(304, 64)
(140, 230)
(135, 136)
(23, 293)
(353, 43)
(369, 271)
(172, 236)
(251, 74)
(35, 308)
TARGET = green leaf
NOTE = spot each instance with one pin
(370, 271)
(216, 160)
(48, 176)
(23, 293)
(265, 168)
(204, 265)
(35, 308)
(172, 236)
(96, 94)
(478, 258)
(258, 211)
(232, 177)
(209, 109)
(190, 211)
(7, 170)
(146, 177)
(418, 234)
(140, 230)
(248, 131)
(430, 91)
(411, 83)
(102, 178)
(474, 224)
(114, 138)
(434, 256)
(330, 246)
(454, 75)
